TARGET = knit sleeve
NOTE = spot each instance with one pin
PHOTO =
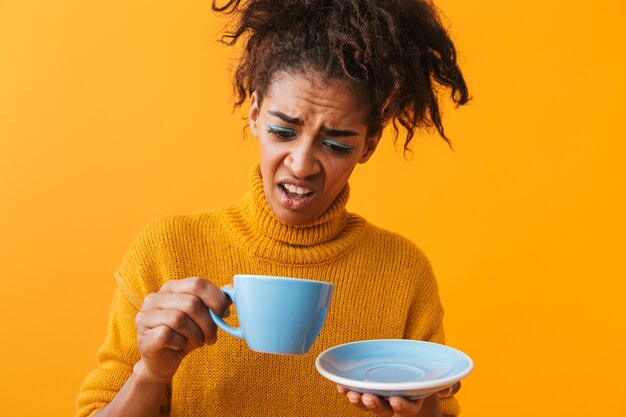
(138, 275)
(116, 358)
(425, 319)
(144, 267)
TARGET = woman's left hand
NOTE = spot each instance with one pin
(398, 406)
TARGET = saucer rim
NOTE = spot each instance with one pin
(395, 386)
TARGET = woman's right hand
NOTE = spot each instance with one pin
(175, 321)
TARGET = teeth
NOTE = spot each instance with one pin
(296, 190)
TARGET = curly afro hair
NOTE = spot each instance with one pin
(395, 54)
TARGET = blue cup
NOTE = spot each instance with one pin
(277, 314)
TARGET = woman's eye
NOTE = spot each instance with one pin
(281, 132)
(338, 147)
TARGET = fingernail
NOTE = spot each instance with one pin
(368, 401)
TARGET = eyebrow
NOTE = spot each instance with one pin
(294, 120)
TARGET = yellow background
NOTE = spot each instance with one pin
(114, 113)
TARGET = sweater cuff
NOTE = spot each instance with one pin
(450, 407)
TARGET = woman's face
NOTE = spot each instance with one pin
(311, 134)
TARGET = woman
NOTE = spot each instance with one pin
(323, 79)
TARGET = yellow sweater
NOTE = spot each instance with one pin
(384, 288)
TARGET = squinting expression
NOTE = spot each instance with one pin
(311, 135)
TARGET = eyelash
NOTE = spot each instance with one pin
(281, 133)
(336, 148)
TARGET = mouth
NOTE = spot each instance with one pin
(295, 197)
(294, 191)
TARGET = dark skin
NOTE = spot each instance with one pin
(398, 406)
(171, 323)
(175, 320)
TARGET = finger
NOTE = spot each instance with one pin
(226, 313)
(377, 405)
(450, 391)
(405, 408)
(208, 292)
(342, 390)
(355, 400)
(190, 305)
(154, 341)
(176, 320)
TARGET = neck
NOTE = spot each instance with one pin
(254, 219)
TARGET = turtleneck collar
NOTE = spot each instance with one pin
(255, 225)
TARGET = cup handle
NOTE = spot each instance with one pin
(233, 331)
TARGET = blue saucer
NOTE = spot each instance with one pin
(390, 367)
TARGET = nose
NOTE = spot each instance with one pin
(301, 159)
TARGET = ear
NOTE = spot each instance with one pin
(370, 146)
(253, 114)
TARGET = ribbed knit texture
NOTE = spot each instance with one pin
(384, 288)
